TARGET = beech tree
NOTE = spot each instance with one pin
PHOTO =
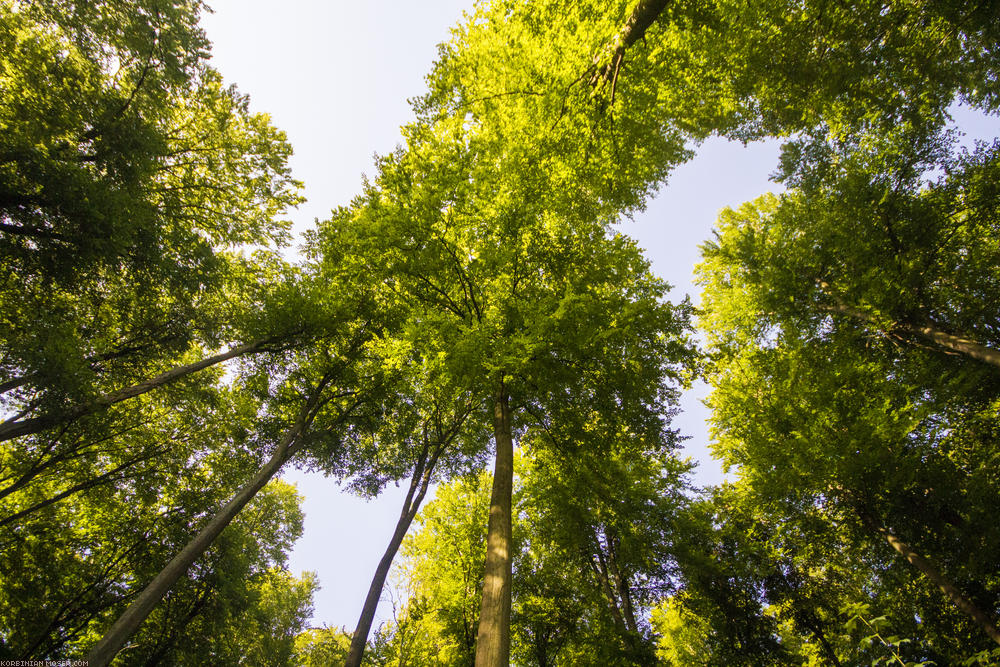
(70, 564)
(521, 308)
(311, 400)
(592, 554)
(834, 311)
(441, 574)
(605, 523)
(490, 226)
(129, 177)
(430, 433)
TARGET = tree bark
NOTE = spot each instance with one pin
(608, 62)
(130, 620)
(414, 497)
(643, 16)
(104, 478)
(932, 573)
(18, 428)
(957, 344)
(599, 568)
(622, 581)
(493, 640)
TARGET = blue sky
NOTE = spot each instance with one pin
(335, 76)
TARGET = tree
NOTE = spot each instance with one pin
(130, 178)
(757, 585)
(432, 432)
(235, 608)
(70, 566)
(497, 250)
(813, 300)
(482, 253)
(907, 262)
(605, 517)
(493, 122)
(323, 394)
(74, 550)
(583, 564)
(442, 573)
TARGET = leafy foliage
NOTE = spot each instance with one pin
(851, 326)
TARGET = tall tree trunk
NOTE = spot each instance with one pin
(104, 478)
(414, 496)
(932, 573)
(812, 623)
(493, 640)
(130, 620)
(958, 344)
(643, 16)
(599, 567)
(622, 583)
(609, 61)
(22, 427)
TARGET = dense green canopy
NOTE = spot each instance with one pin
(161, 360)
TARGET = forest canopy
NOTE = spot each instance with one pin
(477, 326)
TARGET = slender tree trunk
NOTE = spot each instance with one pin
(932, 573)
(643, 16)
(105, 478)
(414, 497)
(957, 344)
(364, 626)
(18, 428)
(493, 640)
(599, 568)
(624, 593)
(126, 625)
(816, 628)
(14, 383)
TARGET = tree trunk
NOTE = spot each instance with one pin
(418, 489)
(932, 573)
(957, 344)
(104, 478)
(813, 625)
(126, 625)
(639, 21)
(493, 640)
(18, 428)
(624, 592)
(608, 62)
(599, 567)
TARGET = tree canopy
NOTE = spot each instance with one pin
(164, 356)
